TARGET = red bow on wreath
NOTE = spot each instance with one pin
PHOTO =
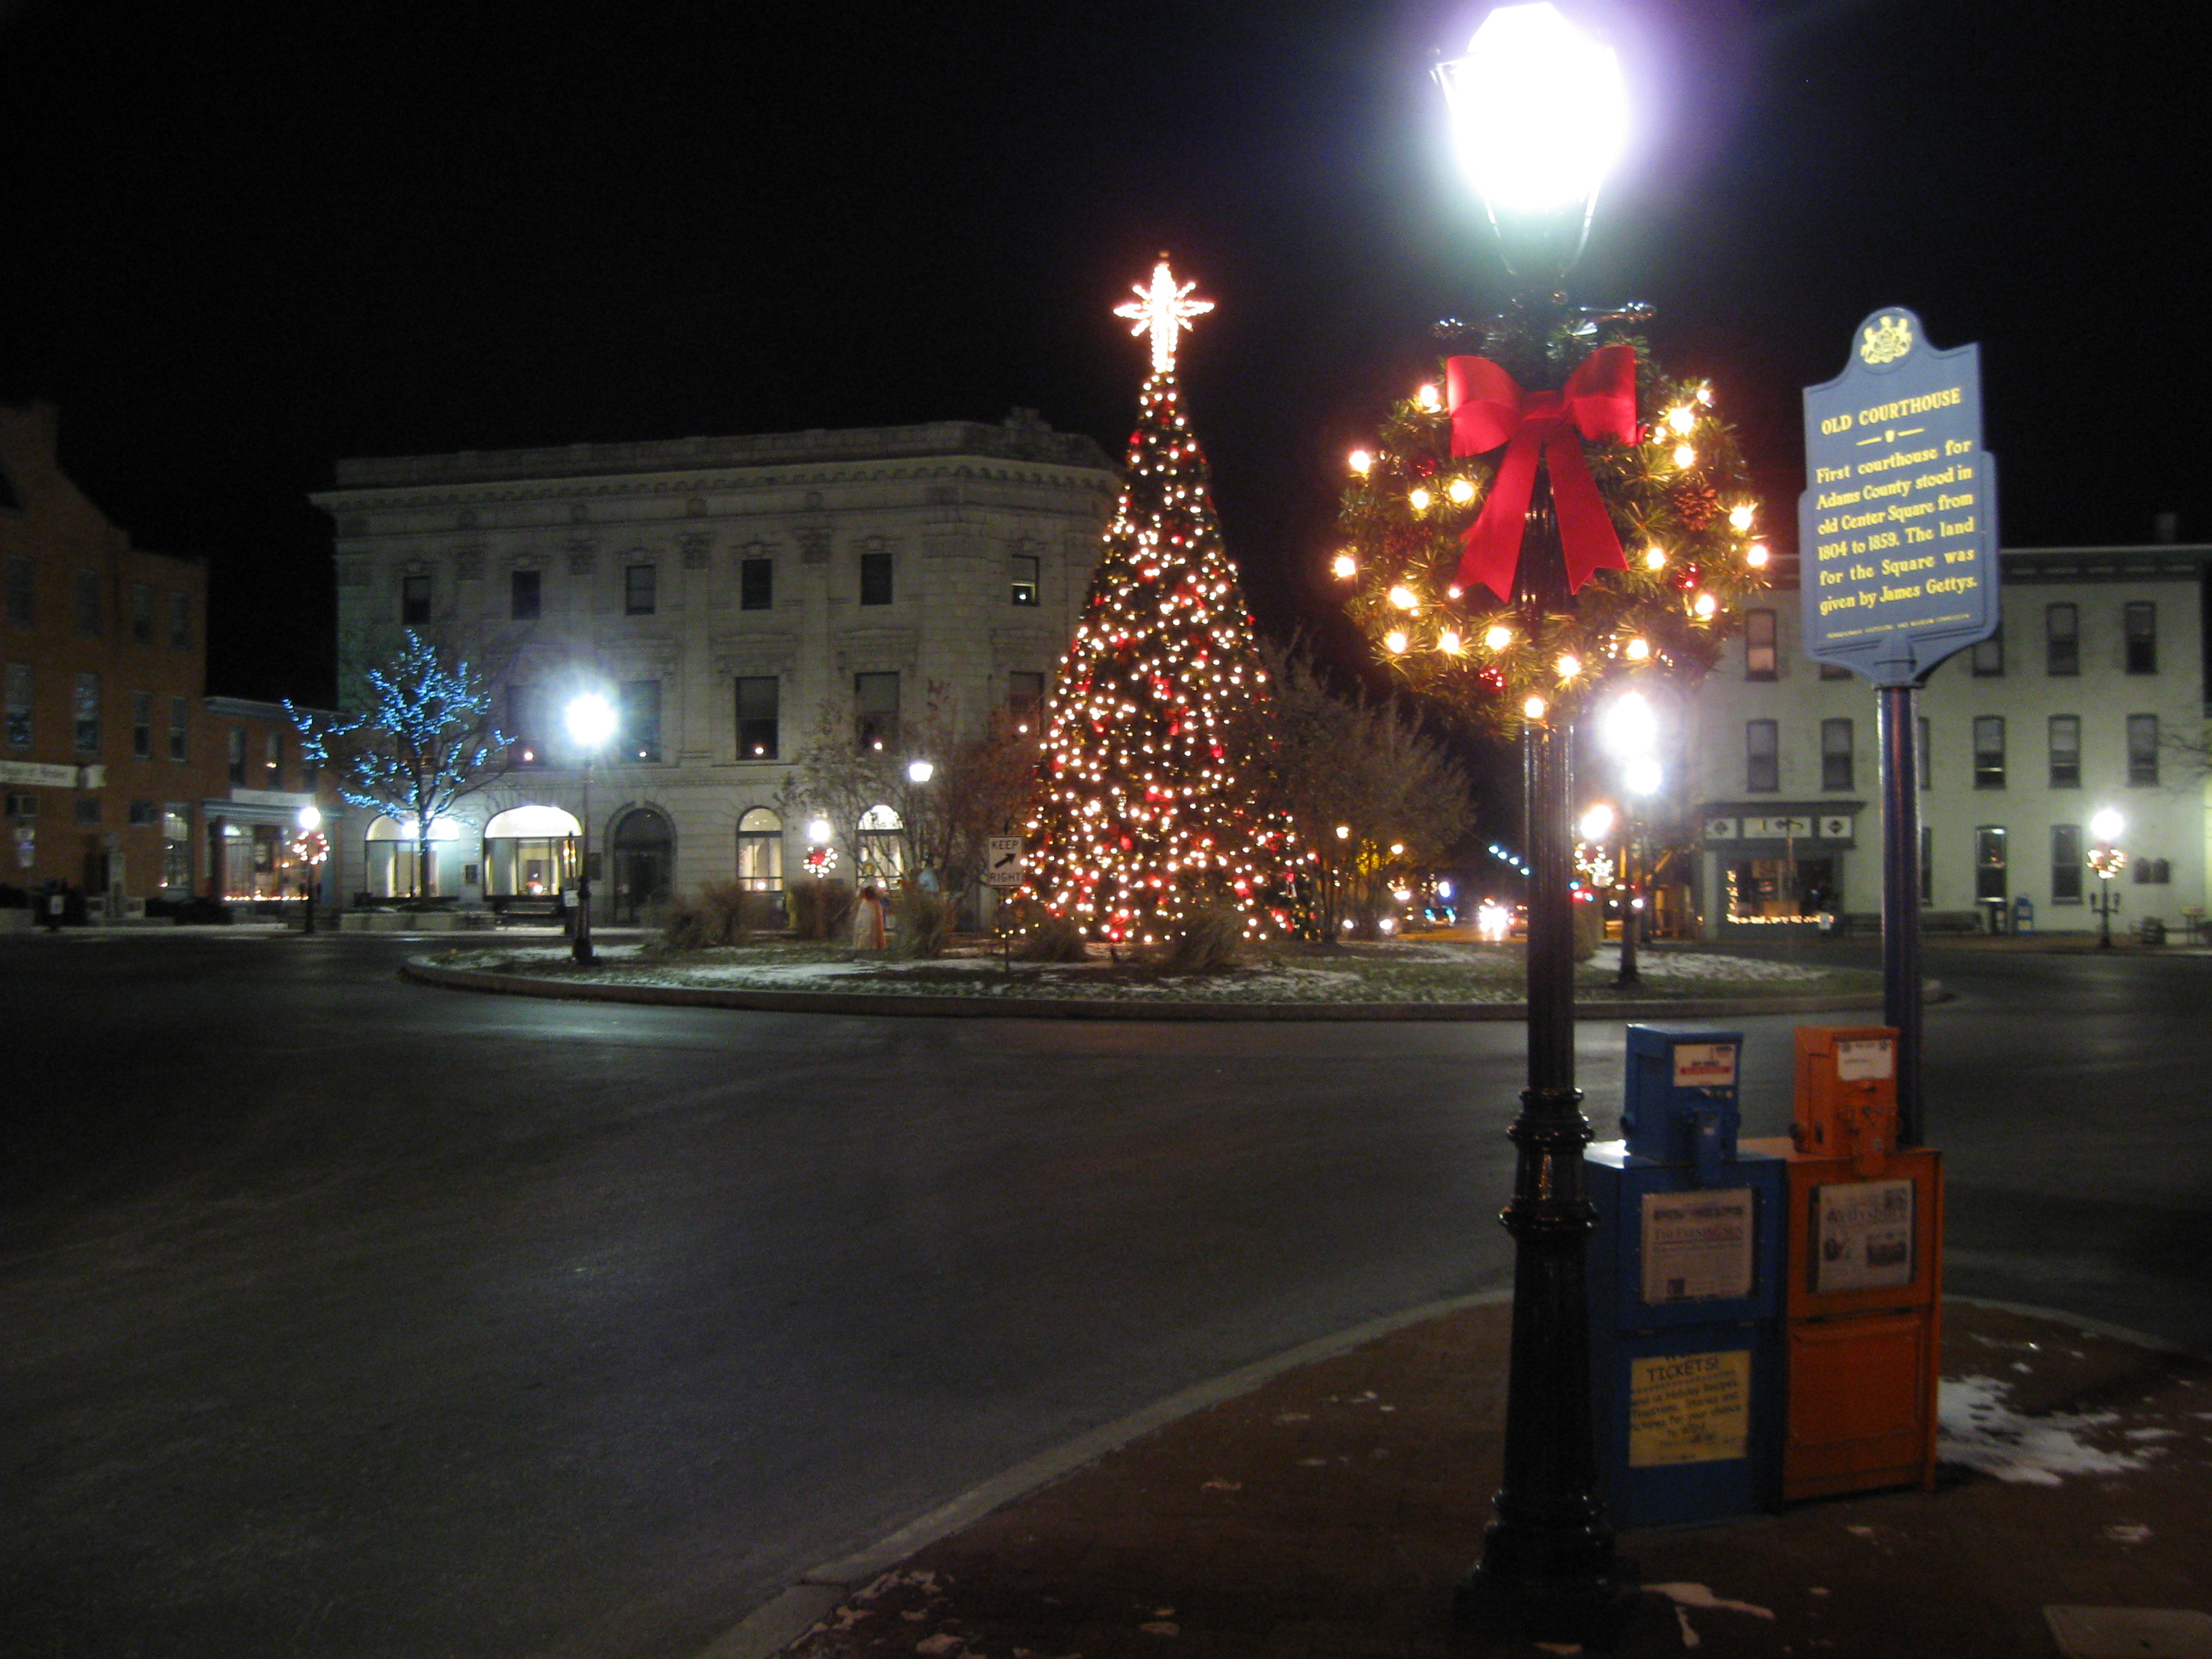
(1488, 408)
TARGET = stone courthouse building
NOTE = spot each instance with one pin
(725, 594)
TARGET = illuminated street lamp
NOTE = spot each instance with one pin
(591, 721)
(1629, 729)
(2107, 860)
(310, 848)
(1538, 113)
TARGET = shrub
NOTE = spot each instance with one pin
(1589, 930)
(714, 916)
(821, 909)
(1211, 940)
(924, 922)
(1048, 938)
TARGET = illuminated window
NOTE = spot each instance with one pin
(1024, 569)
(1991, 880)
(760, 851)
(1761, 659)
(640, 720)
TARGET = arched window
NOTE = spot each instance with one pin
(530, 851)
(394, 867)
(882, 845)
(643, 857)
(759, 852)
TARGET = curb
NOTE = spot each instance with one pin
(784, 1618)
(821, 1002)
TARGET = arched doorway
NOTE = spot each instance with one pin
(530, 851)
(644, 848)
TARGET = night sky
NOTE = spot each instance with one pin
(240, 241)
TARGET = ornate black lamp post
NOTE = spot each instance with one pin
(1549, 1569)
(2107, 860)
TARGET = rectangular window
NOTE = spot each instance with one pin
(640, 589)
(757, 711)
(142, 613)
(876, 706)
(641, 718)
(87, 808)
(1761, 660)
(87, 713)
(527, 725)
(180, 724)
(1026, 698)
(414, 599)
(756, 584)
(1762, 756)
(1988, 752)
(236, 759)
(2140, 621)
(1989, 655)
(1927, 864)
(176, 847)
(141, 725)
(144, 815)
(2065, 864)
(1991, 881)
(2152, 871)
(2065, 751)
(180, 621)
(1920, 747)
(19, 593)
(2061, 639)
(1836, 758)
(875, 579)
(272, 760)
(524, 594)
(2143, 750)
(88, 604)
(1025, 577)
(19, 702)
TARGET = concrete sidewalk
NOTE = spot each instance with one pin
(1331, 1509)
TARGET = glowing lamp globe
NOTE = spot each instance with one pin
(1630, 727)
(921, 771)
(1597, 823)
(1537, 170)
(310, 819)
(1641, 776)
(591, 719)
(819, 830)
(2106, 825)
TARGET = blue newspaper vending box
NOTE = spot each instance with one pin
(1686, 1268)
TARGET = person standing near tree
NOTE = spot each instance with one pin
(868, 930)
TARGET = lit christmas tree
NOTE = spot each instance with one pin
(1149, 802)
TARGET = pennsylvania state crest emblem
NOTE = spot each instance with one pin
(1885, 342)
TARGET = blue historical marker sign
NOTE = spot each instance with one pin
(1896, 529)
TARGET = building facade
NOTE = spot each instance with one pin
(729, 596)
(2092, 696)
(122, 780)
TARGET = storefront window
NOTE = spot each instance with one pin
(759, 852)
(530, 851)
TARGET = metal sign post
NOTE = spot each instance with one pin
(1898, 570)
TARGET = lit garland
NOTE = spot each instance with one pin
(1680, 498)
(1147, 805)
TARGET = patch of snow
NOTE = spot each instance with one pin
(1704, 964)
(2127, 1534)
(1976, 1429)
(1697, 1595)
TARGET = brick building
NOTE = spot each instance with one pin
(120, 776)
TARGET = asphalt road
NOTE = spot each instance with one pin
(344, 1316)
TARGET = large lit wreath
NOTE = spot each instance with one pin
(1662, 553)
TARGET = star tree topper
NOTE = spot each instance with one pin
(1162, 310)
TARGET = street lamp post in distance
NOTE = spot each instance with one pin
(1630, 731)
(2107, 860)
(591, 721)
(1549, 1569)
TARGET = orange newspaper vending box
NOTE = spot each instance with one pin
(1863, 1282)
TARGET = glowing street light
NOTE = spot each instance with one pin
(2107, 860)
(919, 771)
(591, 721)
(1597, 823)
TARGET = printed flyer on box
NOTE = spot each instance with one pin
(1697, 1244)
(1862, 1235)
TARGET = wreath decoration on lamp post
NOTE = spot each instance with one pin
(1662, 529)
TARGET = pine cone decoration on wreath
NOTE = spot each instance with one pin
(1696, 501)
